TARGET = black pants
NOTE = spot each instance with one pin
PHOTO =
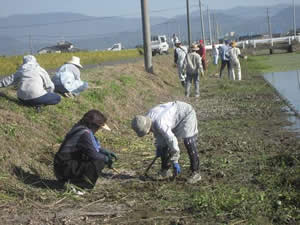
(81, 173)
(223, 65)
(192, 149)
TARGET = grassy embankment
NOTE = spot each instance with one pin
(250, 164)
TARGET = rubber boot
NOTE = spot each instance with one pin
(191, 146)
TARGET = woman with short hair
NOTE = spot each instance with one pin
(81, 158)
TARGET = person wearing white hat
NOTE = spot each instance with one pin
(81, 158)
(168, 122)
(193, 67)
(67, 79)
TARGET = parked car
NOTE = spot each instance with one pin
(116, 47)
(159, 45)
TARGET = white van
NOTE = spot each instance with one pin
(159, 45)
(116, 47)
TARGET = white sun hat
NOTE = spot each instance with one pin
(76, 61)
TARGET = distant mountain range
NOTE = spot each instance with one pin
(20, 34)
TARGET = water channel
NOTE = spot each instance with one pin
(287, 84)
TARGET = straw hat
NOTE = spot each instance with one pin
(76, 61)
(233, 44)
(194, 47)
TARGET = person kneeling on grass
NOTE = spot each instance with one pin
(35, 87)
(168, 122)
(80, 158)
(67, 79)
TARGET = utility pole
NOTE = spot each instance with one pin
(214, 28)
(146, 37)
(218, 31)
(202, 23)
(269, 26)
(30, 44)
(209, 26)
(179, 31)
(188, 21)
(295, 28)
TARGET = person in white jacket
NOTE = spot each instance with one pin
(168, 122)
(67, 79)
(234, 54)
(215, 54)
(179, 59)
(35, 87)
(193, 67)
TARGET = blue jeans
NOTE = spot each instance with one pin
(47, 99)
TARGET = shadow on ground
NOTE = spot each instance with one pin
(35, 180)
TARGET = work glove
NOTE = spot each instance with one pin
(109, 162)
(113, 155)
(176, 169)
(109, 154)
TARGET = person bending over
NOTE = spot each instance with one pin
(168, 122)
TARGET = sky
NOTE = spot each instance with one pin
(129, 8)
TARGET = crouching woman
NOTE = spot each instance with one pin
(80, 158)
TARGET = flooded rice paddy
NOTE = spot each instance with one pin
(287, 84)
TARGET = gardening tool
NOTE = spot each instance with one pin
(117, 171)
(150, 165)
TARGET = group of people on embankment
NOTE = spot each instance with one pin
(192, 63)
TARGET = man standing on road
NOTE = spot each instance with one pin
(224, 55)
(179, 59)
(168, 122)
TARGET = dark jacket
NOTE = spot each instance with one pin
(78, 150)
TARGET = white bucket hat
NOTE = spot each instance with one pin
(76, 61)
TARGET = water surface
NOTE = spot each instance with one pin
(287, 85)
